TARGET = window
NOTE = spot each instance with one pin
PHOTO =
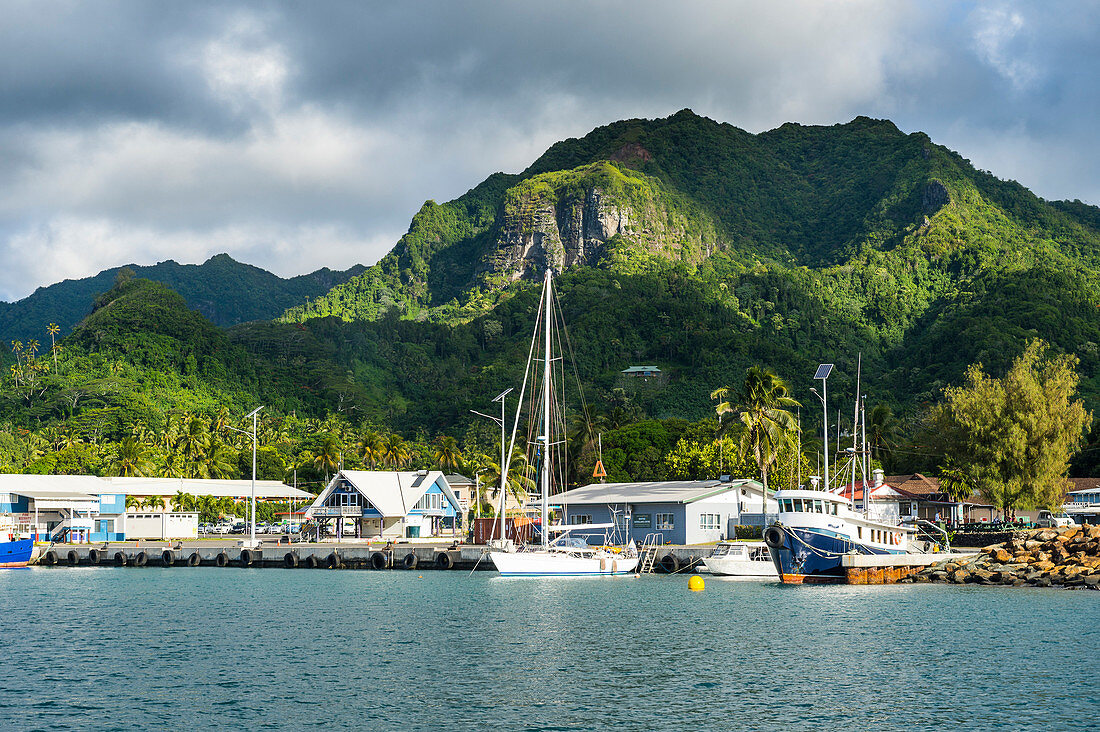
(709, 521)
(580, 519)
(859, 532)
(785, 505)
(665, 522)
(430, 502)
(818, 506)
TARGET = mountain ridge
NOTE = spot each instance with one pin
(226, 291)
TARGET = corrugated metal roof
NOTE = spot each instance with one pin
(61, 487)
(674, 491)
(637, 369)
(265, 489)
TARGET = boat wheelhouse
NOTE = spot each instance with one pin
(816, 528)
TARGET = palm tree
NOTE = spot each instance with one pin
(153, 502)
(396, 452)
(327, 456)
(134, 502)
(218, 461)
(131, 458)
(765, 423)
(447, 455)
(53, 330)
(519, 481)
(372, 448)
(882, 431)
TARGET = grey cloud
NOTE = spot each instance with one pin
(272, 129)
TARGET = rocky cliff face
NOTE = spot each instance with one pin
(564, 222)
(559, 235)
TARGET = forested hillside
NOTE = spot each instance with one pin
(227, 292)
(681, 242)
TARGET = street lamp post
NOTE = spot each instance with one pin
(503, 449)
(253, 414)
(823, 371)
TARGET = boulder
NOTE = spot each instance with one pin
(1094, 532)
(1043, 566)
(1045, 535)
(983, 576)
(1043, 582)
(1092, 580)
(1032, 545)
(1001, 555)
(960, 576)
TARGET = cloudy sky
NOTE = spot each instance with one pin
(295, 136)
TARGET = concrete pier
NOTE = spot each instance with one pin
(886, 569)
(205, 553)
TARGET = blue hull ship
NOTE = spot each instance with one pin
(16, 553)
(816, 529)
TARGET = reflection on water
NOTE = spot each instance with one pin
(96, 648)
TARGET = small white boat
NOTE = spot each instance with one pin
(746, 559)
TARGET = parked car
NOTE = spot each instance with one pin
(221, 528)
(1049, 520)
(238, 528)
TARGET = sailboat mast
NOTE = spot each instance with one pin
(545, 477)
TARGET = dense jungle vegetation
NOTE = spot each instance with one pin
(785, 249)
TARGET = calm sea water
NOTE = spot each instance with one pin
(181, 649)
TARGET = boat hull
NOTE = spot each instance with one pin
(723, 567)
(16, 553)
(813, 555)
(560, 564)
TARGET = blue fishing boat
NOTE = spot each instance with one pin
(16, 553)
(816, 528)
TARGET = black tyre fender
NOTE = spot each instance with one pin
(194, 559)
(49, 558)
(379, 560)
(120, 559)
(290, 560)
(774, 537)
(332, 561)
(94, 557)
(140, 559)
(670, 564)
(443, 560)
(73, 558)
(410, 561)
(245, 560)
(312, 561)
(167, 558)
(222, 559)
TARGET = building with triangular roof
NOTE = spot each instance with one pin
(388, 504)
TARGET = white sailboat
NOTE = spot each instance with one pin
(565, 555)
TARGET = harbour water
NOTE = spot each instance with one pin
(181, 649)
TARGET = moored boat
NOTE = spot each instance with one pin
(743, 559)
(815, 529)
(16, 553)
(565, 556)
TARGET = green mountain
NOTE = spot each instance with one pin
(679, 242)
(704, 248)
(227, 292)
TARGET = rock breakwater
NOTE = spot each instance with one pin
(1067, 558)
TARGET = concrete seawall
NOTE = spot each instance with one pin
(681, 559)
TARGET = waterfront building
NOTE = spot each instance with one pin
(922, 497)
(87, 508)
(390, 504)
(681, 512)
(1082, 501)
(62, 507)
